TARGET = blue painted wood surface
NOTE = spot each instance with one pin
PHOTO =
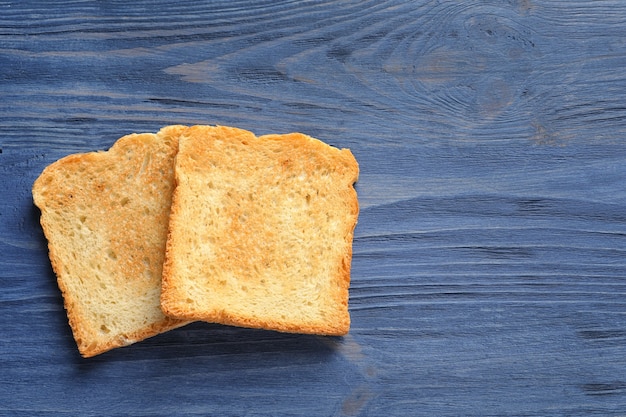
(489, 269)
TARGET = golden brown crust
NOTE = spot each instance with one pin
(261, 231)
(105, 216)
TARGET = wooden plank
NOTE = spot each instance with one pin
(489, 272)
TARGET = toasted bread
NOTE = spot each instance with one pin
(105, 215)
(261, 231)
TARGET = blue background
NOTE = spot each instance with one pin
(489, 268)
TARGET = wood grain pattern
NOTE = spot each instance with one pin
(489, 270)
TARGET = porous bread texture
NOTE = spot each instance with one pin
(105, 215)
(261, 231)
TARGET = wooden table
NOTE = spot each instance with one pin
(489, 269)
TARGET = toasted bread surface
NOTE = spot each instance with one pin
(105, 215)
(261, 231)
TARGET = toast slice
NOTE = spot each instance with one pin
(105, 215)
(261, 231)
